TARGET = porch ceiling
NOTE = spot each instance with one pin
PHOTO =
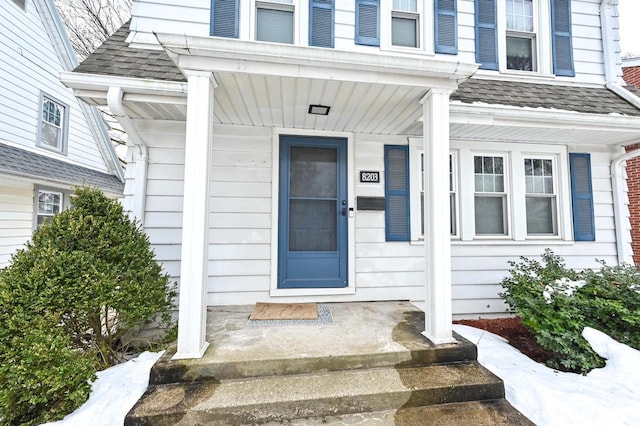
(272, 101)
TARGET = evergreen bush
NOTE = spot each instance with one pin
(556, 304)
(74, 300)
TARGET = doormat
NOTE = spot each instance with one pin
(284, 311)
(324, 318)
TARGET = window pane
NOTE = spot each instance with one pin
(541, 215)
(49, 202)
(275, 25)
(314, 172)
(404, 32)
(312, 225)
(538, 176)
(50, 135)
(405, 5)
(519, 53)
(489, 174)
(489, 214)
(452, 213)
(477, 164)
(520, 15)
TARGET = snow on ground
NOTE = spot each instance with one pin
(605, 396)
(113, 394)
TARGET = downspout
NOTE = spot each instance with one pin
(609, 25)
(139, 150)
(625, 254)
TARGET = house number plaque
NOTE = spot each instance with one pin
(369, 177)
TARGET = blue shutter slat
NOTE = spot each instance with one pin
(321, 23)
(396, 185)
(224, 18)
(446, 27)
(561, 38)
(486, 34)
(368, 22)
(582, 197)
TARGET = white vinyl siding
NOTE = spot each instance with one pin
(30, 67)
(16, 219)
(192, 17)
(240, 223)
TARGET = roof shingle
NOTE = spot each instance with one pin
(26, 163)
(548, 96)
(115, 57)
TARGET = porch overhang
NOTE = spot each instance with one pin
(503, 123)
(251, 57)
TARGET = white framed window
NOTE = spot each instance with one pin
(520, 36)
(275, 21)
(416, 185)
(540, 196)
(490, 194)
(405, 23)
(53, 124)
(48, 202)
(499, 191)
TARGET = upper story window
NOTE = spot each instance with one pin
(52, 130)
(520, 36)
(524, 35)
(405, 23)
(275, 21)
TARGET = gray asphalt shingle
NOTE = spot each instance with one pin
(588, 100)
(115, 57)
(26, 163)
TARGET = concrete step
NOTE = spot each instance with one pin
(491, 412)
(280, 399)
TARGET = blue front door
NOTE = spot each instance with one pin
(312, 240)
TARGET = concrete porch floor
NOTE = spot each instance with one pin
(363, 335)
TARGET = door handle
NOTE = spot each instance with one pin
(344, 211)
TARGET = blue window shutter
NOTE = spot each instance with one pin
(582, 197)
(368, 22)
(396, 190)
(486, 34)
(561, 38)
(446, 27)
(224, 18)
(321, 23)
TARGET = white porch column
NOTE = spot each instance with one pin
(436, 216)
(192, 309)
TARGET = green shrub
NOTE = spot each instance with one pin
(556, 303)
(79, 293)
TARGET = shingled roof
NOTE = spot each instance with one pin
(533, 95)
(115, 57)
(20, 162)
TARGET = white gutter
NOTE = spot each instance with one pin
(136, 202)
